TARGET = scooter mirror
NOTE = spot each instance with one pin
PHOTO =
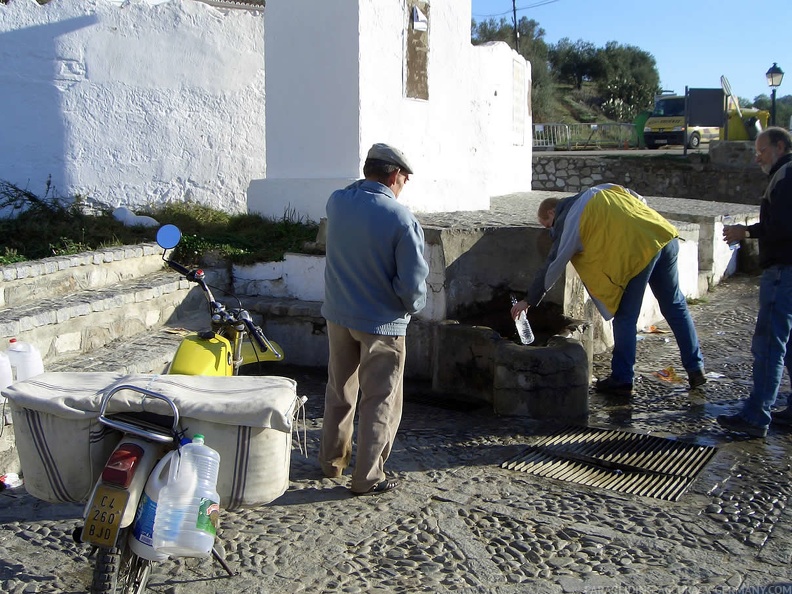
(168, 237)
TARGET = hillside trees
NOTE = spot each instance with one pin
(574, 63)
(627, 80)
(624, 77)
(783, 108)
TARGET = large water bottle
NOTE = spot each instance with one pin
(189, 506)
(523, 326)
(141, 541)
(25, 359)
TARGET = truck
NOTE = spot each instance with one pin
(666, 125)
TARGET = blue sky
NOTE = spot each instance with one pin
(693, 42)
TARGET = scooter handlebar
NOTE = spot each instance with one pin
(258, 334)
(178, 267)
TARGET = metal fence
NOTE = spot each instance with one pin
(584, 136)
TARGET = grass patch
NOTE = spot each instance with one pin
(49, 225)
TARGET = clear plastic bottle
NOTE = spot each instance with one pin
(25, 359)
(523, 326)
(728, 221)
(189, 506)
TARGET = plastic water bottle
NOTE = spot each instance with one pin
(188, 509)
(25, 359)
(523, 327)
(6, 373)
(728, 221)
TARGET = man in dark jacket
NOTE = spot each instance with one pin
(772, 341)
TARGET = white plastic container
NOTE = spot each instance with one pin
(141, 539)
(189, 506)
(6, 373)
(25, 359)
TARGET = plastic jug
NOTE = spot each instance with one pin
(142, 538)
(188, 510)
(25, 359)
(6, 374)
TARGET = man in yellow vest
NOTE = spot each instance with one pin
(618, 245)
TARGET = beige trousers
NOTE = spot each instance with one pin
(374, 365)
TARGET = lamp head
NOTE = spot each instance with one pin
(774, 76)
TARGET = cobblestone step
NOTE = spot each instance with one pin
(30, 281)
(85, 320)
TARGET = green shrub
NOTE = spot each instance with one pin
(51, 225)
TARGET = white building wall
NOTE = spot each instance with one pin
(146, 102)
(135, 104)
(461, 142)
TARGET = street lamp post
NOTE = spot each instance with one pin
(774, 77)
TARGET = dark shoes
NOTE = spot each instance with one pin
(380, 487)
(782, 418)
(697, 378)
(737, 424)
(611, 386)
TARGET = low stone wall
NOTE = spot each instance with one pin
(726, 174)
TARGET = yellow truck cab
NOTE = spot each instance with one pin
(666, 125)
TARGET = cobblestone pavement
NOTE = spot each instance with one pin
(461, 523)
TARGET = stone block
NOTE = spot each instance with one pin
(463, 360)
(548, 383)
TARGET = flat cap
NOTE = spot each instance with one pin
(389, 154)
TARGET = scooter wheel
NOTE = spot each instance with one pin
(118, 569)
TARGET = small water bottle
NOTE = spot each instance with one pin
(728, 221)
(523, 327)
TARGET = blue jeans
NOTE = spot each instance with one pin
(772, 343)
(662, 277)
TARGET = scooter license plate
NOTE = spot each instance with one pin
(104, 517)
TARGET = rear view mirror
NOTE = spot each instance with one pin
(168, 237)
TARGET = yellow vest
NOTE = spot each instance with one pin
(620, 236)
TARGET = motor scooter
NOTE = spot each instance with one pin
(118, 498)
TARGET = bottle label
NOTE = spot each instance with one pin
(143, 528)
(208, 516)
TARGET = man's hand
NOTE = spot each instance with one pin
(518, 307)
(732, 233)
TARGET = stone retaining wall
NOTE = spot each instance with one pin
(726, 174)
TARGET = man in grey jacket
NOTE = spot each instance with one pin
(375, 280)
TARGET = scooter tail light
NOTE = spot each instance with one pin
(120, 468)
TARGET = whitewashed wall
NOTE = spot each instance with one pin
(133, 104)
(327, 106)
(145, 102)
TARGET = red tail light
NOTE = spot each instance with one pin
(120, 469)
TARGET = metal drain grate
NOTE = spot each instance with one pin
(627, 462)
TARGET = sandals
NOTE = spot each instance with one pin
(380, 487)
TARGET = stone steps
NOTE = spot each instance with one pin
(79, 322)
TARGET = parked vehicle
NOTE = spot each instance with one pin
(119, 500)
(666, 125)
(231, 341)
